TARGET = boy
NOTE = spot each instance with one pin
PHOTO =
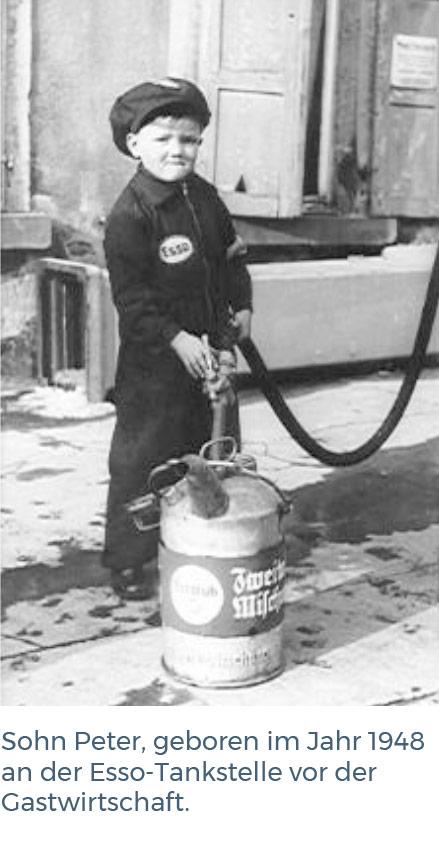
(176, 274)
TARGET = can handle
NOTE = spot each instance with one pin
(143, 503)
(172, 472)
(215, 445)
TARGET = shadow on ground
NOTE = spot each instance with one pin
(78, 568)
(396, 490)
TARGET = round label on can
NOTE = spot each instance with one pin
(196, 593)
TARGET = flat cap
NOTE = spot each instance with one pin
(135, 107)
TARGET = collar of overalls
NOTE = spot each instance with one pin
(154, 191)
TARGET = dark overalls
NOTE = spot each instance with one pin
(165, 246)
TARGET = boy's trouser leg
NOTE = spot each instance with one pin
(170, 430)
(125, 546)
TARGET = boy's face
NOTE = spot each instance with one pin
(167, 147)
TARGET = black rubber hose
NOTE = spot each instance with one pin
(414, 367)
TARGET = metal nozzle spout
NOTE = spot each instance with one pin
(208, 498)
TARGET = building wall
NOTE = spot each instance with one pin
(18, 319)
(84, 55)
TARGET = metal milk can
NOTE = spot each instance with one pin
(222, 571)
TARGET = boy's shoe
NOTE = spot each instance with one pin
(134, 583)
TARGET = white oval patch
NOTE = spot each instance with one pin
(197, 594)
(175, 249)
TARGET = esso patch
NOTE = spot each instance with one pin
(175, 249)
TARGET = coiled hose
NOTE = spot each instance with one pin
(414, 367)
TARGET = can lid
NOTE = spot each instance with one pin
(250, 495)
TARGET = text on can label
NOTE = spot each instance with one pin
(258, 593)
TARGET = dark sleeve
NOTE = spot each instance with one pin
(239, 280)
(127, 248)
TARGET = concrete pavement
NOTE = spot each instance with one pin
(361, 623)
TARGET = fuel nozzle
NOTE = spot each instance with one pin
(207, 495)
(211, 371)
(220, 366)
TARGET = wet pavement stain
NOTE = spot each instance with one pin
(382, 553)
(310, 630)
(42, 472)
(396, 490)
(52, 602)
(126, 618)
(78, 568)
(24, 637)
(108, 631)
(411, 629)
(381, 582)
(51, 442)
(155, 619)
(317, 644)
(157, 693)
(63, 618)
(385, 618)
(411, 699)
(103, 611)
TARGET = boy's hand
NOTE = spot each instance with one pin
(191, 352)
(243, 323)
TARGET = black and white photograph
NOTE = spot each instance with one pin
(220, 353)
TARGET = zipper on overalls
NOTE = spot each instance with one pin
(199, 236)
